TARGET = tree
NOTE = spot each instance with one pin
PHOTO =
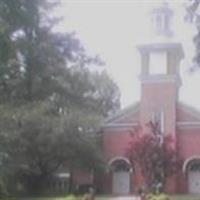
(155, 158)
(96, 91)
(42, 143)
(39, 57)
(37, 143)
(52, 100)
(44, 64)
(194, 17)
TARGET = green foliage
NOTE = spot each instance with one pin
(154, 157)
(51, 102)
(194, 17)
(174, 197)
(3, 190)
(160, 196)
(43, 142)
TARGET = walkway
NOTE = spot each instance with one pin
(124, 198)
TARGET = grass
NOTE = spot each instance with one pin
(185, 197)
(174, 197)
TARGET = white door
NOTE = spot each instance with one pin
(121, 182)
(194, 182)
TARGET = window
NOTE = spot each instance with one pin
(158, 117)
(158, 63)
(195, 166)
(159, 22)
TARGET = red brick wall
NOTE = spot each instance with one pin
(82, 177)
(115, 143)
(188, 145)
(183, 115)
(157, 97)
(188, 142)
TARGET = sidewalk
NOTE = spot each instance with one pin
(124, 198)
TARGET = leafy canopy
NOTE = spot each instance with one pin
(51, 102)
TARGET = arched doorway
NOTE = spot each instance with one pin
(192, 168)
(121, 169)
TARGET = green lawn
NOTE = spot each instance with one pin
(186, 197)
(175, 197)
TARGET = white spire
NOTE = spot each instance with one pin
(161, 19)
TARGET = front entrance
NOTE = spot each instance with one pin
(121, 182)
(194, 176)
(121, 171)
(194, 182)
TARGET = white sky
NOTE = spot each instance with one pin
(113, 28)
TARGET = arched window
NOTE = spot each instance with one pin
(120, 164)
(194, 165)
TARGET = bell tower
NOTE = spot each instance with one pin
(160, 78)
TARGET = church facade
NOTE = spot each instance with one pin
(160, 83)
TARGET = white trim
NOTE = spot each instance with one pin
(120, 125)
(158, 78)
(63, 175)
(119, 158)
(130, 109)
(188, 124)
(191, 110)
(162, 45)
(187, 161)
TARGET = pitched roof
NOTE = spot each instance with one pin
(188, 112)
(129, 114)
(187, 116)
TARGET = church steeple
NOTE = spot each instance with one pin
(161, 19)
(160, 78)
(161, 56)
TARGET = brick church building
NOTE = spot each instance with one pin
(160, 83)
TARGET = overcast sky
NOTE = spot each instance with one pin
(113, 29)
